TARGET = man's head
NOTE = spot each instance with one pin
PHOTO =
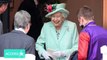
(22, 20)
(85, 15)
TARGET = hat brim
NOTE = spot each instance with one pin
(57, 10)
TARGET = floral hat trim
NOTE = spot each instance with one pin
(50, 7)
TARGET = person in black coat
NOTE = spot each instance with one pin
(36, 21)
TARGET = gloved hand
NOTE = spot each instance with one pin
(58, 54)
(46, 55)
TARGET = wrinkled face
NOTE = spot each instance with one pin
(57, 19)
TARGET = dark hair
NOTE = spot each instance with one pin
(86, 12)
(4, 2)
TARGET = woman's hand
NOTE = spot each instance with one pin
(46, 55)
(59, 54)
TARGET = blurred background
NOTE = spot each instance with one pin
(99, 7)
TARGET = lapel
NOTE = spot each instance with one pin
(53, 31)
(63, 30)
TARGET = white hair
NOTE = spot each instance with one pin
(21, 19)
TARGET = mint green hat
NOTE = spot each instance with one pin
(57, 8)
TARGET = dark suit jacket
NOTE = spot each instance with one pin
(17, 40)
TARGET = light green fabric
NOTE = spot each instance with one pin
(67, 42)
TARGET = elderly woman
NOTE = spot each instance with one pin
(59, 36)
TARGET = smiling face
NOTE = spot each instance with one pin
(57, 19)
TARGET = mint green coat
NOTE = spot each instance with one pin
(67, 42)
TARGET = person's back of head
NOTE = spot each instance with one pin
(22, 20)
(86, 12)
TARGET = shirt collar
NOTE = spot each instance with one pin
(92, 23)
(20, 29)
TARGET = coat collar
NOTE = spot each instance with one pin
(20, 29)
(19, 32)
(92, 23)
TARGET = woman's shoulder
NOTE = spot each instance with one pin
(47, 24)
